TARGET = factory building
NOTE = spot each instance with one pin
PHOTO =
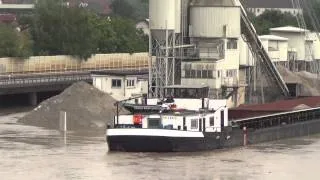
(212, 43)
(302, 49)
(258, 7)
(121, 84)
(216, 38)
(200, 45)
(277, 48)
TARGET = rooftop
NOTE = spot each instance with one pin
(273, 37)
(289, 29)
(269, 3)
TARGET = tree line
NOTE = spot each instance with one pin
(57, 29)
(274, 18)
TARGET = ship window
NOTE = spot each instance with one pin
(154, 123)
(194, 124)
(211, 121)
(116, 83)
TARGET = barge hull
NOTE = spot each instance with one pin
(211, 141)
(154, 144)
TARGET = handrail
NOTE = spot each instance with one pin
(15, 81)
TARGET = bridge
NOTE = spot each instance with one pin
(55, 73)
(32, 84)
(14, 84)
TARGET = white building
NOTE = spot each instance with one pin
(292, 47)
(258, 7)
(121, 85)
(216, 37)
(316, 44)
(276, 47)
(300, 45)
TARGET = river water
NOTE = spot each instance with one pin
(34, 153)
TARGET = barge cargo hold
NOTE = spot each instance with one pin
(207, 130)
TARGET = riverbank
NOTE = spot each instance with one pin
(15, 110)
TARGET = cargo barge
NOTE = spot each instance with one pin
(203, 124)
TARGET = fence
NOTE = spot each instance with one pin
(51, 64)
(23, 81)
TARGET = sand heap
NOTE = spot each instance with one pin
(310, 82)
(86, 107)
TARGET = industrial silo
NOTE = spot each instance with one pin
(165, 27)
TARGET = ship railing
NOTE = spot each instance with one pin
(279, 119)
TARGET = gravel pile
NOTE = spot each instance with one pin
(87, 108)
(310, 82)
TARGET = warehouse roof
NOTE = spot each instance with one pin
(289, 29)
(273, 37)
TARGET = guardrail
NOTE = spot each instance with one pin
(51, 79)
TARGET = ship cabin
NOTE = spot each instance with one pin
(186, 92)
(184, 108)
(206, 121)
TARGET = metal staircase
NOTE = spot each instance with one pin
(256, 47)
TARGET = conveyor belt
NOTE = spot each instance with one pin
(256, 46)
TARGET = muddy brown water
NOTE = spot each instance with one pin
(34, 153)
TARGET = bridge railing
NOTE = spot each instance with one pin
(23, 81)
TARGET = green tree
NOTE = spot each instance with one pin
(136, 10)
(270, 19)
(122, 8)
(312, 14)
(141, 9)
(58, 29)
(14, 43)
(120, 35)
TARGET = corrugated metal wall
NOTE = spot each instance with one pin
(215, 22)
